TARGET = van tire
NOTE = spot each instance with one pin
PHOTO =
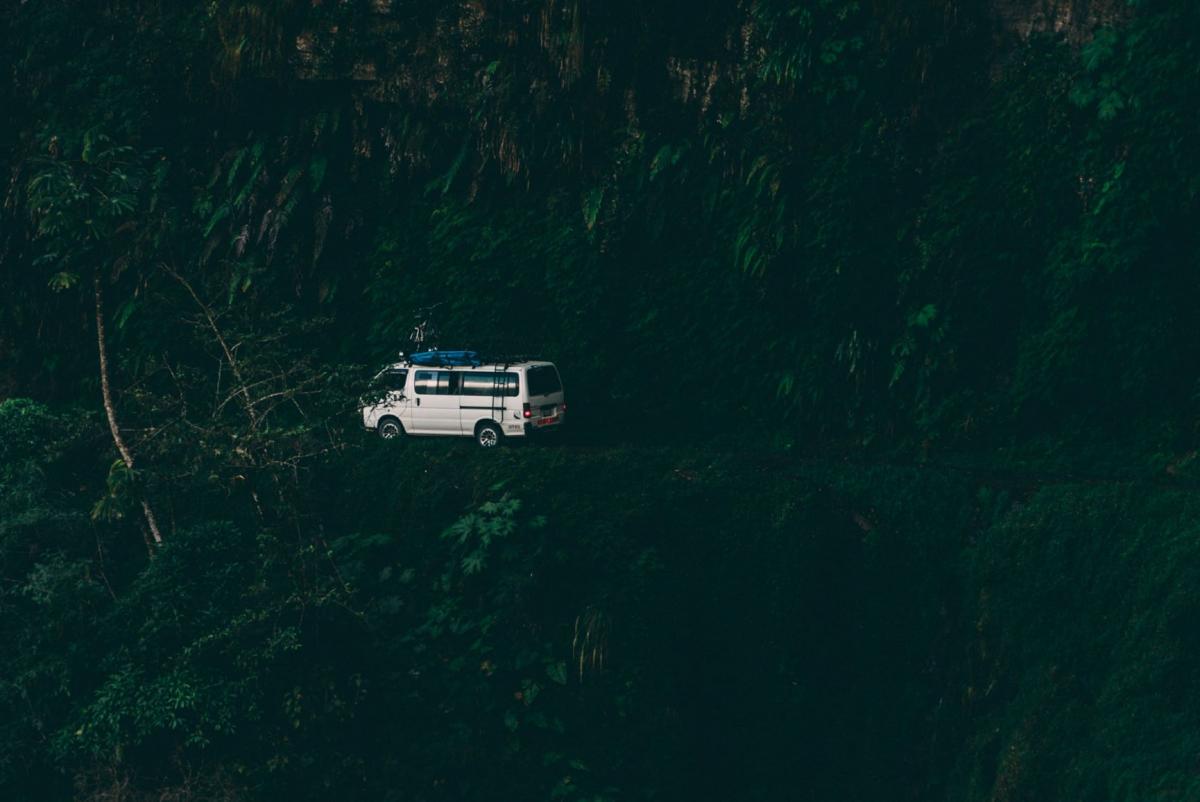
(390, 428)
(488, 435)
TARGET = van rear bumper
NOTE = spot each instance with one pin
(538, 431)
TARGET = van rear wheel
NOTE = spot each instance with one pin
(488, 435)
(389, 429)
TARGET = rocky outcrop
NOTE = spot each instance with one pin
(1076, 20)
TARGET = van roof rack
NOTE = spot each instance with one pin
(444, 359)
(463, 358)
(511, 359)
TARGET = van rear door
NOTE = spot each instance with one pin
(545, 395)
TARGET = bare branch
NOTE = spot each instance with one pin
(248, 404)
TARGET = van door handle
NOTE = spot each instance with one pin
(418, 402)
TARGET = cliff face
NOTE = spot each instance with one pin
(469, 24)
(1074, 19)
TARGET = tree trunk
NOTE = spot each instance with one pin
(111, 412)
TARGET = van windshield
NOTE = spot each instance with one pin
(543, 380)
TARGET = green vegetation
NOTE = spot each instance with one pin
(877, 326)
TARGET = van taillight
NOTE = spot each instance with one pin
(528, 412)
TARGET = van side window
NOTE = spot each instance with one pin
(543, 380)
(426, 382)
(477, 384)
(437, 382)
(489, 383)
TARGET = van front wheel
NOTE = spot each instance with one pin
(488, 435)
(389, 428)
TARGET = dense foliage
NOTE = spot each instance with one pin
(902, 232)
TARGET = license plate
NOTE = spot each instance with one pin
(545, 421)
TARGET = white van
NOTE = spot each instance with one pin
(487, 401)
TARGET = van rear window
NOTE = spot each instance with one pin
(543, 380)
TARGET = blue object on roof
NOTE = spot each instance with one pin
(446, 359)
